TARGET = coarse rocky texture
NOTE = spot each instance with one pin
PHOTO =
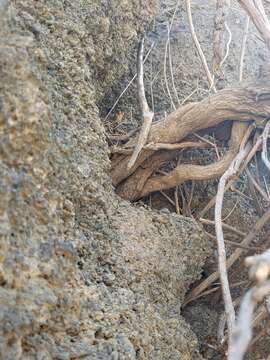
(190, 83)
(83, 274)
(186, 71)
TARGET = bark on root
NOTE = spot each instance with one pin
(238, 104)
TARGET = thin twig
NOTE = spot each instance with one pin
(128, 85)
(261, 334)
(120, 150)
(231, 211)
(191, 195)
(161, 146)
(169, 52)
(232, 259)
(183, 145)
(198, 46)
(257, 186)
(187, 197)
(240, 193)
(165, 72)
(168, 198)
(225, 226)
(146, 112)
(165, 67)
(151, 87)
(236, 244)
(253, 193)
(121, 137)
(264, 147)
(266, 186)
(227, 45)
(253, 151)
(176, 199)
(184, 203)
(190, 95)
(243, 49)
(209, 142)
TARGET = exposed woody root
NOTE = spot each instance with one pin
(241, 104)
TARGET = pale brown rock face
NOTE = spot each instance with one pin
(82, 273)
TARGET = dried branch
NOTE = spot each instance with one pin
(146, 113)
(233, 168)
(259, 5)
(259, 271)
(239, 346)
(257, 14)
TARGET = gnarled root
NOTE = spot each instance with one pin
(134, 188)
(243, 104)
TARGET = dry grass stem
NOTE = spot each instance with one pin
(225, 226)
(257, 186)
(232, 259)
(128, 85)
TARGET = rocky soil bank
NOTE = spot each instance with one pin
(83, 274)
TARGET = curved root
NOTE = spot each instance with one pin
(242, 103)
(140, 184)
